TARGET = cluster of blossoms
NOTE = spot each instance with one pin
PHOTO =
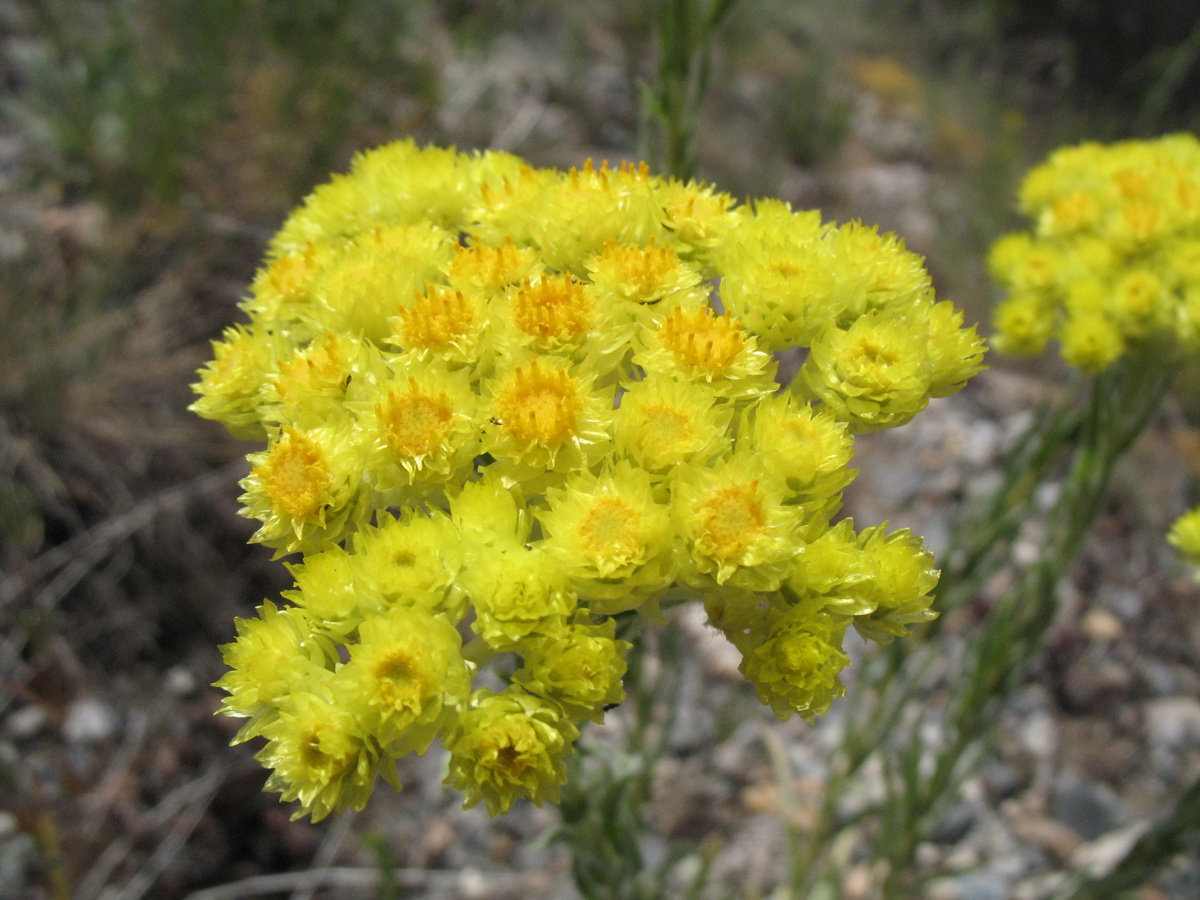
(503, 410)
(1185, 536)
(1112, 265)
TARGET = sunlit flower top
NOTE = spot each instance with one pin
(505, 408)
(1112, 264)
(1185, 536)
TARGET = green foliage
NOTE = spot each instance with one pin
(114, 92)
(124, 99)
(671, 101)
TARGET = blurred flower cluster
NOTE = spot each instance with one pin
(1185, 535)
(1112, 265)
(504, 409)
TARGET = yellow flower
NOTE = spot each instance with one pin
(490, 514)
(522, 403)
(903, 584)
(697, 216)
(422, 427)
(580, 211)
(615, 540)
(320, 755)
(1024, 324)
(560, 315)
(834, 572)
(509, 745)
(579, 669)
(327, 591)
(271, 653)
(743, 617)
(778, 276)
(1115, 247)
(230, 386)
(543, 417)
(662, 423)
(891, 275)
(396, 184)
(310, 386)
(412, 561)
(281, 293)
(1091, 342)
(406, 674)
(795, 670)
(874, 374)
(737, 528)
(304, 488)
(695, 344)
(1138, 303)
(366, 282)
(481, 269)
(517, 594)
(626, 275)
(806, 445)
(445, 323)
(1185, 535)
(955, 353)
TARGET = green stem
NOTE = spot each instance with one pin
(1120, 405)
(671, 105)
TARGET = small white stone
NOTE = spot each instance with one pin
(180, 682)
(1173, 722)
(89, 721)
(26, 722)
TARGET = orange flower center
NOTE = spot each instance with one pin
(553, 309)
(539, 406)
(731, 520)
(609, 530)
(438, 318)
(296, 476)
(415, 424)
(702, 341)
(487, 268)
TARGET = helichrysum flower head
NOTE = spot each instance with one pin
(320, 754)
(406, 674)
(663, 423)
(1108, 265)
(231, 386)
(271, 654)
(615, 540)
(579, 669)
(304, 487)
(517, 594)
(311, 385)
(633, 277)
(876, 373)
(1185, 536)
(411, 561)
(903, 583)
(795, 669)
(735, 523)
(697, 345)
(805, 444)
(422, 426)
(509, 405)
(510, 745)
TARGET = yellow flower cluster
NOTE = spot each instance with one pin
(1185, 535)
(507, 406)
(1112, 265)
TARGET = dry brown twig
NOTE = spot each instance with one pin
(190, 801)
(462, 885)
